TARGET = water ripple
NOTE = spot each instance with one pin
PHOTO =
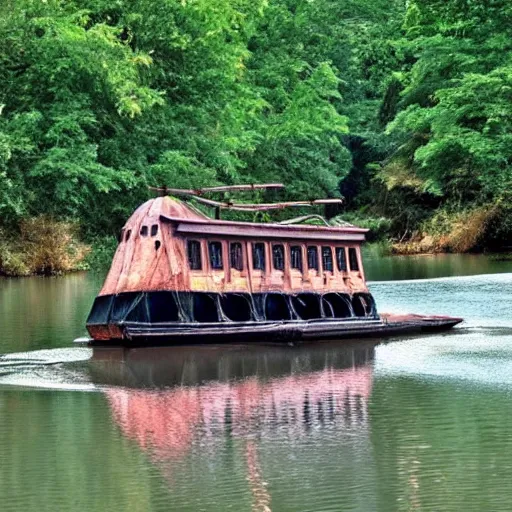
(414, 423)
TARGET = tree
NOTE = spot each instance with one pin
(456, 99)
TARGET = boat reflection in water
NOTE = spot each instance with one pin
(175, 400)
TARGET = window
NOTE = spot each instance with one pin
(296, 257)
(352, 257)
(278, 256)
(154, 229)
(120, 237)
(144, 231)
(237, 307)
(205, 306)
(307, 305)
(336, 305)
(313, 257)
(236, 256)
(327, 259)
(194, 254)
(341, 259)
(163, 307)
(360, 305)
(276, 306)
(258, 256)
(127, 236)
(215, 251)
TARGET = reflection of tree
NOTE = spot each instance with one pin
(42, 312)
(57, 452)
(441, 445)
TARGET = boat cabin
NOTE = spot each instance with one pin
(175, 265)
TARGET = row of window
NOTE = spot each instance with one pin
(144, 230)
(278, 257)
(165, 306)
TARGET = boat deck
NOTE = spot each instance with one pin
(283, 331)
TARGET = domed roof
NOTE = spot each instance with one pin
(167, 206)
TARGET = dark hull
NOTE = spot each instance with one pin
(141, 334)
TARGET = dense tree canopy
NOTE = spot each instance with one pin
(457, 97)
(391, 103)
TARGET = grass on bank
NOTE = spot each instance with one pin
(482, 228)
(42, 246)
(477, 229)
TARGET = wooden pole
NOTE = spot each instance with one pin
(224, 188)
(254, 207)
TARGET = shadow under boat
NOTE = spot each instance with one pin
(159, 367)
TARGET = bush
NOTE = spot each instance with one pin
(100, 257)
(488, 226)
(499, 227)
(379, 226)
(43, 246)
(11, 260)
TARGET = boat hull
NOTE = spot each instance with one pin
(141, 334)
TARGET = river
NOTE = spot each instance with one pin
(413, 423)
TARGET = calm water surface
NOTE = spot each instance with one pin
(419, 423)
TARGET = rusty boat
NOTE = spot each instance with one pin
(179, 276)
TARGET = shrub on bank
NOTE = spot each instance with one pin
(42, 246)
(499, 228)
(483, 227)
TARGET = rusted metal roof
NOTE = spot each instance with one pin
(169, 207)
(190, 221)
(256, 230)
(151, 257)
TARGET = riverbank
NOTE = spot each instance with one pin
(472, 230)
(56, 249)
(482, 229)
(45, 246)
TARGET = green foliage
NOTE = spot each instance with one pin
(499, 227)
(403, 106)
(379, 227)
(102, 251)
(457, 99)
(65, 81)
(100, 99)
